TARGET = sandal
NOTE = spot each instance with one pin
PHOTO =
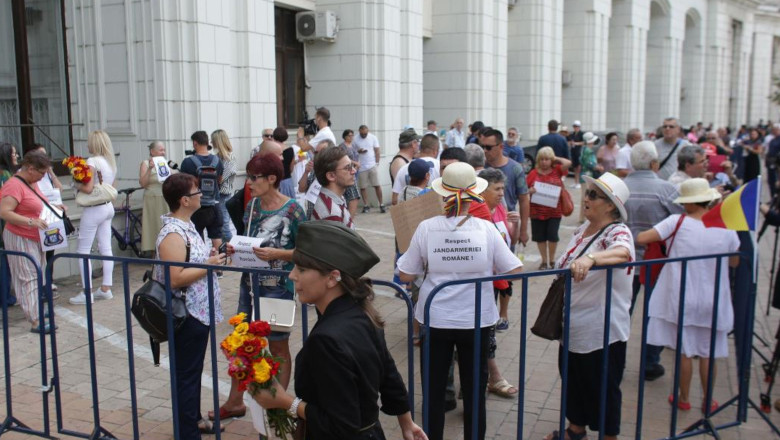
(225, 414)
(503, 388)
(206, 427)
(713, 406)
(685, 406)
(570, 435)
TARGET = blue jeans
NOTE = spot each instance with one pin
(226, 234)
(245, 297)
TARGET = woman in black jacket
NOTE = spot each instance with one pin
(344, 366)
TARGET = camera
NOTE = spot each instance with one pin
(309, 126)
(173, 165)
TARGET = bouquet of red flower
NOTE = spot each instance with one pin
(78, 168)
(251, 363)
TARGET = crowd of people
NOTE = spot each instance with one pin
(301, 199)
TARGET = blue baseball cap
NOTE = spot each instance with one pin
(418, 168)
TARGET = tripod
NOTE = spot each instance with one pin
(770, 369)
(772, 280)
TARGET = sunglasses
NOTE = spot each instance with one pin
(488, 147)
(254, 177)
(592, 194)
(268, 136)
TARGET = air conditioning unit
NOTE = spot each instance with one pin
(566, 78)
(316, 25)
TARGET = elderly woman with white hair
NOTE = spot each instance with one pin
(603, 240)
(692, 238)
(475, 156)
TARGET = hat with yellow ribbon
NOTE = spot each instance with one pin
(457, 185)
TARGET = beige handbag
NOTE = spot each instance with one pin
(101, 194)
(279, 313)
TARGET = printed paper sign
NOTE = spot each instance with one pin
(546, 194)
(54, 196)
(313, 192)
(244, 256)
(456, 251)
(53, 237)
(163, 170)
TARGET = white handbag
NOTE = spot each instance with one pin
(279, 313)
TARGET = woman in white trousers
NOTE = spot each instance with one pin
(96, 219)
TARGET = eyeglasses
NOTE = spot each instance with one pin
(347, 168)
(254, 177)
(670, 126)
(196, 193)
(592, 194)
(268, 136)
(488, 147)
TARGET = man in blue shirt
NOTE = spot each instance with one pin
(554, 140)
(512, 148)
(515, 190)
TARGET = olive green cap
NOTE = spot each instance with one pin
(335, 245)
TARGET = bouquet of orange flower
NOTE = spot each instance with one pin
(78, 168)
(251, 363)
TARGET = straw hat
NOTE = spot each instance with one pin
(614, 187)
(696, 191)
(459, 175)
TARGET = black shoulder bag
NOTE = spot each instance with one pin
(549, 323)
(669, 156)
(150, 308)
(69, 228)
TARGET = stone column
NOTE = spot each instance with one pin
(535, 49)
(761, 72)
(717, 73)
(411, 63)
(664, 58)
(585, 50)
(465, 62)
(627, 62)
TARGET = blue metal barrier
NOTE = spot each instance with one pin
(100, 431)
(703, 426)
(10, 422)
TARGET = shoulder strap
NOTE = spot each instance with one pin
(187, 238)
(668, 156)
(45, 202)
(592, 240)
(674, 234)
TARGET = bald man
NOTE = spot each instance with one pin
(268, 146)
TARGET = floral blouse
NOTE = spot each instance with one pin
(198, 292)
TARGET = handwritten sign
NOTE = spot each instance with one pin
(546, 194)
(314, 191)
(53, 237)
(406, 216)
(244, 256)
(54, 196)
(456, 251)
(163, 170)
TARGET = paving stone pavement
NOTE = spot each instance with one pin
(541, 384)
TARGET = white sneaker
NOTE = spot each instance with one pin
(80, 299)
(100, 294)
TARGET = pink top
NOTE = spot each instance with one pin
(29, 206)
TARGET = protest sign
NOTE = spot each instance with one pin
(546, 194)
(243, 255)
(406, 216)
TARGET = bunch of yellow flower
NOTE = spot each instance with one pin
(78, 168)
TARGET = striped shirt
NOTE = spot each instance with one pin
(331, 206)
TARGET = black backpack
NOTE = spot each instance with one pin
(208, 180)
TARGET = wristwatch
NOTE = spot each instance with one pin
(589, 255)
(29, 221)
(292, 411)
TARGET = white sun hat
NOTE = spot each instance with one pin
(614, 188)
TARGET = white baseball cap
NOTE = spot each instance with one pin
(576, 124)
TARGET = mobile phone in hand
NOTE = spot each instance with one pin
(223, 250)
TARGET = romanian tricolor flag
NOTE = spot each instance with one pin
(738, 212)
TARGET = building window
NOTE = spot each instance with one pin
(290, 82)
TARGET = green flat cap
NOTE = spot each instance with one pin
(335, 245)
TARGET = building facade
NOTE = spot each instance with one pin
(147, 70)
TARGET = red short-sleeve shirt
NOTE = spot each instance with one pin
(540, 212)
(29, 206)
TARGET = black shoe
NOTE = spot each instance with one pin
(366, 209)
(449, 405)
(382, 209)
(653, 372)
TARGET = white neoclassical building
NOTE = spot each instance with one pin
(151, 69)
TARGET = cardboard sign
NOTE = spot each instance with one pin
(456, 251)
(408, 215)
(163, 170)
(53, 237)
(244, 256)
(546, 194)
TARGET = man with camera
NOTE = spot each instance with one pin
(208, 169)
(320, 129)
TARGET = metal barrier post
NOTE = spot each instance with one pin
(130, 350)
(476, 376)
(565, 351)
(213, 343)
(648, 287)
(172, 353)
(605, 356)
(678, 352)
(523, 336)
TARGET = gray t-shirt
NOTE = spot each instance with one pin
(664, 149)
